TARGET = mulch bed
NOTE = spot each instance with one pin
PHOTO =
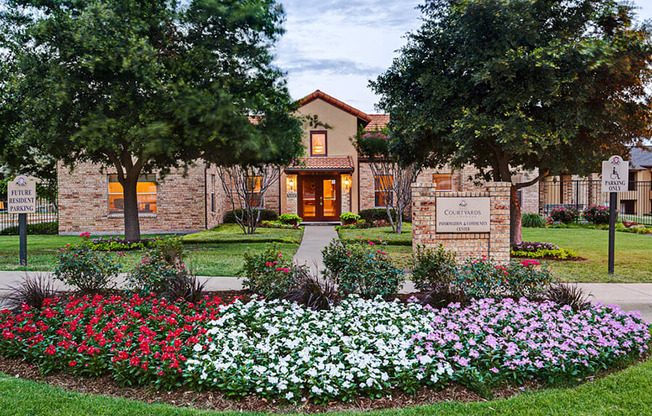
(209, 400)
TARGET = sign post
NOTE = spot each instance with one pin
(615, 178)
(21, 200)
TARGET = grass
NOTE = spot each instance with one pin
(623, 393)
(208, 257)
(384, 233)
(232, 233)
(633, 254)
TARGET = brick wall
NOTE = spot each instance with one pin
(83, 202)
(493, 244)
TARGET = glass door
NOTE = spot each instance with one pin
(319, 197)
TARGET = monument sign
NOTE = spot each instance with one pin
(463, 215)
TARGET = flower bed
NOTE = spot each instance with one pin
(279, 350)
(537, 250)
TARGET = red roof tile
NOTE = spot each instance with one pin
(378, 121)
(334, 101)
(322, 164)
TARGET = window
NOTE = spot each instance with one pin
(318, 146)
(254, 185)
(146, 190)
(631, 186)
(383, 190)
(443, 181)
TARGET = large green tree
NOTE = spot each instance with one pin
(510, 85)
(147, 85)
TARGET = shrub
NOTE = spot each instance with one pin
(185, 286)
(349, 218)
(265, 215)
(312, 293)
(85, 269)
(597, 214)
(559, 254)
(363, 269)
(31, 291)
(432, 267)
(482, 278)
(532, 220)
(565, 294)
(41, 228)
(292, 219)
(155, 273)
(279, 224)
(120, 244)
(375, 214)
(564, 214)
(270, 273)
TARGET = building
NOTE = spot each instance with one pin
(329, 180)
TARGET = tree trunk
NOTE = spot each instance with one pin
(132, 225)
(515, 230)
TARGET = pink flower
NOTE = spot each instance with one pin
(85, 235)
(280, 255)
(371, 243)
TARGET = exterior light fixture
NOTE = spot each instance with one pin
(291, 184)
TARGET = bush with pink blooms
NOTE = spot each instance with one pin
(270, 273)
(362, 268)
(596, 214)
(484, 278)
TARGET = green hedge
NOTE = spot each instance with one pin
(42, 228)
(376, 214)
(265, 215)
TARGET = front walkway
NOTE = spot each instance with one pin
(315, 239)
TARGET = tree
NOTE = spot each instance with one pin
(512, 85)
(245, 188)
(392, 177)
(144, 86)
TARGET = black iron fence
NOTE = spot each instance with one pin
(43, 221)
(633, 205)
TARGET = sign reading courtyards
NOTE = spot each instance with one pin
(463, 215)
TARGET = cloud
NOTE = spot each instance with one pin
(338, 46)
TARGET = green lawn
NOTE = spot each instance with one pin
(232, 233)
(208, 256)
(624, 393)
(384, 233)
(633, 255)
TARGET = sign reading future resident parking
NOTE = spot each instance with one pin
(615, 175)
(463, 215)
(21, 195)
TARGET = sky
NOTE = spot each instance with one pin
(337, 46)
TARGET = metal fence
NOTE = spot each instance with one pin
(633, 205)
(46, 212)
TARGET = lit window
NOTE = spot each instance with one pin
(443, 181)
(146, 193)
(318, 143)
(383, 190)
(254, 186)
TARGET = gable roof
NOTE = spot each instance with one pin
(378, 121)
(335, 102)
(640, 157)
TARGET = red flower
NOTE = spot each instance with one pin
(72, 363)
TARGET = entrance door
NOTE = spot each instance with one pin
(319, 197)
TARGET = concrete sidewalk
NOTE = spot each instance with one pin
(630, 296)
(315, 239)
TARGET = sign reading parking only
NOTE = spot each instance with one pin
(615, 175)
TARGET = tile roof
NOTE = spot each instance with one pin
(334, 101)
(378, 121)
(640, 158)
(322, 164)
